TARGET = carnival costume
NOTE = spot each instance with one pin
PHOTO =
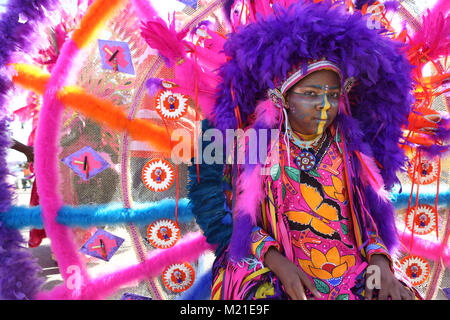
(322, 203)
(331, 215)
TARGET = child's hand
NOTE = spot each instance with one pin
(293, 279)
(389, 285)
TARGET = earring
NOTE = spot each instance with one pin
(277, 98)
(348, 84)
(287, 135)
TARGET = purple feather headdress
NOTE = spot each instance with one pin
(266, 50)
(380, 100)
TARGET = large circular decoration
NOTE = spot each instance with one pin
(416, 268)
(424, 219)
(427, 168)
(158, 175)
(305, 160)
(178, 277)
(171, 106)
(163, 233)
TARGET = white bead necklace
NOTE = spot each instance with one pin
(300, 143)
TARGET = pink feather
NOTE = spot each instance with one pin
(144, 10)
(211, 54)
(370, 175)
(188, 249)
(251, 192)
(47, 170)
(215, 43)
(262, 7)
(166, 40)
(425, 248)
(434, 35)
(207, 82)
(268, 113)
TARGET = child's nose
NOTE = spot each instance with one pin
(324, 105)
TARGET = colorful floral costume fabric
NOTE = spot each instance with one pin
(305, 215)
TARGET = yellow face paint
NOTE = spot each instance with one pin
(323, 113)
(306, 137)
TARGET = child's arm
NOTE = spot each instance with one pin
(261, 241)
(390, 286)
(376, 246)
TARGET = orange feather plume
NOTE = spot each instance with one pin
(105, 112)
(96, 16)
(99, 110)
(30, 77)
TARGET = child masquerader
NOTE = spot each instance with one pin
(316, 223)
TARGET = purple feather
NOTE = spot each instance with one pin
(383, 213)
(18, 269)
(153, 86)
(239, 244)
(441, 136)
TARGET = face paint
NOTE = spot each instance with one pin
(306, 105)
(313, 102)
(323, 114)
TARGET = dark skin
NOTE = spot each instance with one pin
(28, 151)
(310, 110)
(312, 106)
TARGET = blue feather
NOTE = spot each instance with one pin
(97, 215)
(200, 290)
(208, 201)
(401, 200)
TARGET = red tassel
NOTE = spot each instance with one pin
(437, 198)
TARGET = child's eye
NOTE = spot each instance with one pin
(334, 95)
(310, 93)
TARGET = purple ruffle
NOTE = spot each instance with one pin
(16, 36)
(18, 269)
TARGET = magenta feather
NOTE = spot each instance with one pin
(263, 8)
(211, 55)
(432, 250)
(166, 40)
(188, 249)
(195, 81)
(144, 10)
(434, 35)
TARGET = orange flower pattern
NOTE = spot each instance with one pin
(330, 266)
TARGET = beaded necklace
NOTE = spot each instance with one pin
(308, 154)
